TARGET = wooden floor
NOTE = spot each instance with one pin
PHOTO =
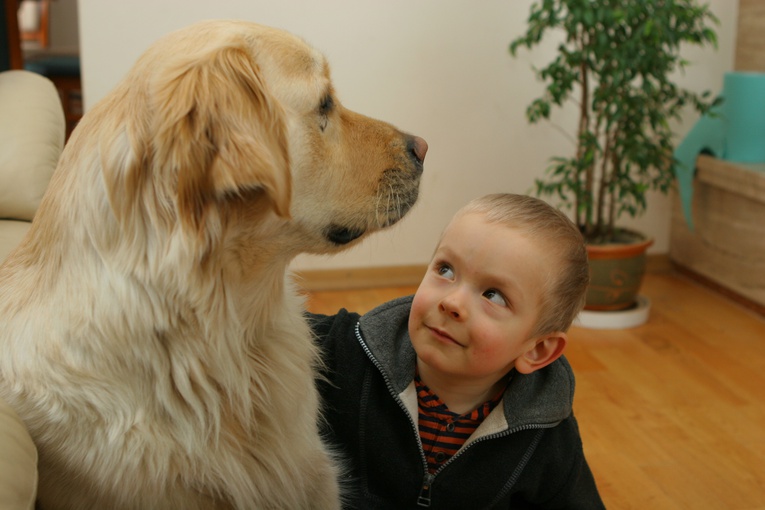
(672, 413)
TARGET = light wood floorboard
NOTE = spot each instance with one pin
(672, 413)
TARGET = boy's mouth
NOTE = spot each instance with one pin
(443, 336)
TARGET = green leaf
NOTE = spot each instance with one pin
(628, 52)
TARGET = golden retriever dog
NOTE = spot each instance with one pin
(150, 334)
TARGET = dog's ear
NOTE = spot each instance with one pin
(222, 133)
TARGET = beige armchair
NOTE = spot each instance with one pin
(31, 140)
(18, 462)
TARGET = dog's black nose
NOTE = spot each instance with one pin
(418, 147)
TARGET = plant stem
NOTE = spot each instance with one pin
(584, 126)
(605, 177)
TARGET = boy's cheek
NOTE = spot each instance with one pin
(414, 316)
(418, 312)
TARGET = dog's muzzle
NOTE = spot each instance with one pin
(398, 192)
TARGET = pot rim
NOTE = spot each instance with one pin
(617, 250)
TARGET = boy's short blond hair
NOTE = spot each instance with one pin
(566, 287)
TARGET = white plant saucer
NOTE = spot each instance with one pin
(619, 319)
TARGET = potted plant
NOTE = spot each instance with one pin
(615, 62)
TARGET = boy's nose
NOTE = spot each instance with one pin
(452, 305)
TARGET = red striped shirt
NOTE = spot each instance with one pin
(443, 432)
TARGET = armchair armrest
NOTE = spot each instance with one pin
(31, 139)
(18, 462)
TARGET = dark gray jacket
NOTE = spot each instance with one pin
(526, 454)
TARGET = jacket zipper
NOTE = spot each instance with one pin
(424, 498)
(426, 491)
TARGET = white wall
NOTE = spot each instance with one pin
(436, 68)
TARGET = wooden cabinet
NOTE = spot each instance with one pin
(727, 245)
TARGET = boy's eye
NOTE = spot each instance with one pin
(495, 297)
(445, 271)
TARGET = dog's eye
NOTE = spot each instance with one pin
(327, 104)
(325, 108)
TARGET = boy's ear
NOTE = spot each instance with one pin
(546, 349)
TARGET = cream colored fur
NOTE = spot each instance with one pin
(150, 336)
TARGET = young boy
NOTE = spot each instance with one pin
(459, 397)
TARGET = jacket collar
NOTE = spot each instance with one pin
(543, 398)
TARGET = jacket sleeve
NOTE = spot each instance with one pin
(321, 325)
(331, 332)
(578, 490)
(327, 328)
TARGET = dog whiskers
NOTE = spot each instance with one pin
(398, 193)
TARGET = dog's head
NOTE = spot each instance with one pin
(229, 132)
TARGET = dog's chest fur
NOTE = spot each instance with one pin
(173, 399)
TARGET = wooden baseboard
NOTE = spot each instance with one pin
(720, 289)
(401, 276)
(365, 277)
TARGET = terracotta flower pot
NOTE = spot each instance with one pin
(616, 273)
